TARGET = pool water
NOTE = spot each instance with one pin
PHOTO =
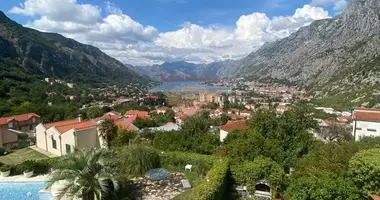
(23, 191)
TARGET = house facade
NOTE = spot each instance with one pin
(63, 137)
(366, 122)
(12, 126)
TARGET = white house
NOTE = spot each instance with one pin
(162, 110)
(366, 122)
(60, 138)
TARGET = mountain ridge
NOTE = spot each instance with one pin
(52, 55)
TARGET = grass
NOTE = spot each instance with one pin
(21, 155)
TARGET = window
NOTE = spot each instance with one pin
(54, 143)
(34, 120)
(359, 129)
(371, 130)
(10, 125)
(68, 148)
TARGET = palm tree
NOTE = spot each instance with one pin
(108, 131)
(90, 174)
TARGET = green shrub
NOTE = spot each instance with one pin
(214, 187)
(136, 160)
(5, 168)
(38, 166)
(2, 151)
(249, 173)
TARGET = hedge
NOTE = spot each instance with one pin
(249, 173)
(38, 166)
(214, 187)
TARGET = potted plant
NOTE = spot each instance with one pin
(28, 173)
(5, 170)
(28, 167)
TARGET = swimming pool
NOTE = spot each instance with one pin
(23, 191)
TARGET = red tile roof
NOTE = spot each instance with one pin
(62, 123)
(142, 114)
(76, 126)
(19, 118)
(365, 114)
(125, 123)
(114, 117)
(235, 125)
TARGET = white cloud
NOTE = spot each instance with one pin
(59, 10)
(112, 8)
(120, 36)
(338, 5)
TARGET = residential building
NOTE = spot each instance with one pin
(60, 138)
(366, 122)
(12, 126)
(231, 126)
(245, 113)
(162, 110)
(24, 122)
(170, 126)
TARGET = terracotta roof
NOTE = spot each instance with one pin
(235, 125)
(179, 114)
(20, 118)
(142, 114)
(125, 123)
(77, 126)
(365, 114)
(109, 116)
(62, 123)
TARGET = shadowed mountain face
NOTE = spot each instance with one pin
(52, 55)
(318, 52)
(184, 71)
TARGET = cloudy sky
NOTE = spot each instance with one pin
(144, 32)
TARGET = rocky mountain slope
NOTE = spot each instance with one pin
(37, 54)
(182, 71)
(337, 58)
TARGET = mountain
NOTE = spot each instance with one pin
(184, 71)
(25, 52)
(178, 71)
(337, 58)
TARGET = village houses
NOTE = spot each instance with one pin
(12, 126)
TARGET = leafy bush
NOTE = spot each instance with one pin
(5, 168)
(364, 169)
(38, 166)
(324, 185)
(214, 187)
(136, 160)
(249, 173)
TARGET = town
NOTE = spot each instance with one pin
(155, 114)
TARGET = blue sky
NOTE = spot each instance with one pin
(154, 31)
